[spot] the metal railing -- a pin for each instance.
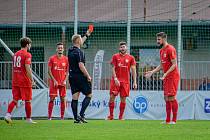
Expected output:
(194, 75)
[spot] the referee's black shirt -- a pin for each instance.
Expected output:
(75, 55)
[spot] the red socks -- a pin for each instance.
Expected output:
(50, 108)
(111, 109)
(174, 109)
(171, 106)
(28, 109)
(11, 106)
(122, 109)
(168, 111)
(62, 107)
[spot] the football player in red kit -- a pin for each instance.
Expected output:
(121, 63)
(58, 72)
(168, 63)
(22, 80)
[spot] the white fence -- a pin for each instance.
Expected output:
(194, 75)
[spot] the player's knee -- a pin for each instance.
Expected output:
(171, 98)
(28, 101)
(62, 99)
(89, 95)
(112, 98)
(52, 99)
(75, 96)
(123, 99)
(165, 98)
(16, 101)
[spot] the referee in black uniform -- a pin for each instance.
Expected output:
(79, 78)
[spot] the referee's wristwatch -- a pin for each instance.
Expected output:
(86, 35)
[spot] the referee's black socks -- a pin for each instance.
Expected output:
(74, 104)
(85, 104)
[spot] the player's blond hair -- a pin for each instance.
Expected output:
(74, 38)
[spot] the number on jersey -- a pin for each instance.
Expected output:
(17, 60)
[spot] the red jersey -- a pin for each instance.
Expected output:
(122, 65)
(59, 68)
(19, 75)
(167, 54)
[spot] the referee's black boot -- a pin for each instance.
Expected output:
(77, 121)
(82, 119)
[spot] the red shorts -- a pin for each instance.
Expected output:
(54, 90)
(22, 93)
(123, 89)
(170, 86)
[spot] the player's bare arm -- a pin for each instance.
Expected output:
(29, 73)
(52, 77)
(173, 66)
(84, 71)
(67, 75)
(116, 81)
(133, 69)
(148, 74)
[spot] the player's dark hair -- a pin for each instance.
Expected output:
(59, 43)
(162, 35)
(24, 41)
(122, 43)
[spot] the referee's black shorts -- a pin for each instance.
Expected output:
(79, 83)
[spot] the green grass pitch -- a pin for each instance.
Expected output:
(105, 130)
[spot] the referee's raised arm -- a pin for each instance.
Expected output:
(87, 34)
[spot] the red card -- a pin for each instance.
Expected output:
(90, 28)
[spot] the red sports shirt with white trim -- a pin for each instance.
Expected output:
(59, 68)
(122, 65)
(167, 54)
(19, 75)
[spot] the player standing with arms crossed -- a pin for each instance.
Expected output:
(168, 63)
(58, 72)
(120, 81)
(22, 80)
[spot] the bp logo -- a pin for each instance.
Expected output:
(140, 104)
